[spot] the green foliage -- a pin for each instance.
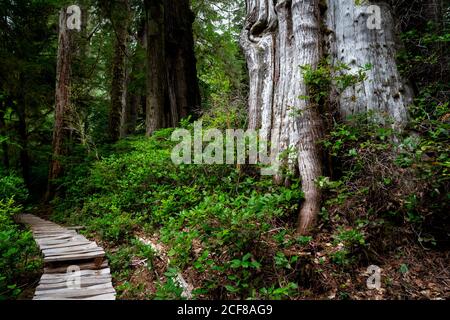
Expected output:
(220, 61)
(320, 79)
(170, 289)
(197, 210)
(282, 261)
(120, 261)
(350, 238)
(403, 268)
(115, 226)
(12, 186)
(279, 293)
(409, 173)
(304, 240)
(342, 257)
(17, 247)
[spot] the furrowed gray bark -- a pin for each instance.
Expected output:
(277, 39)
(282, 35)
(355, 41)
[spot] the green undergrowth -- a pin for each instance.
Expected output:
(232, 231)
(213, 218)
(387, 186)
(19, 256)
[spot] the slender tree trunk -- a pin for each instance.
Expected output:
(125, 107)
(3, 131)
(120, 20)
(277, 40)
(23, 136)
(129, 114)
(62, 101)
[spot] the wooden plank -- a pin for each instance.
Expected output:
(68, 247)
(63, 245)
(60, 241)
(76, 228)
(103, 297)
(86, 283)
(109, 296)
(82, 266)
(82, 273)
(75, 237)
(70, 250)
(51, 232)
(63, 254)
(75, 257)
(78, 293)
(57, 237)
(66, 244)
(74, 249)
(82, 279)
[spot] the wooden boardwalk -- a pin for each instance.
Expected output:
(75, 268)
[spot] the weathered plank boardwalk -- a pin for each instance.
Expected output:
(75, 268)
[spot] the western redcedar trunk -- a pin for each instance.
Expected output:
(156, 75)
(355, 42)
(281, 36)
(172, 87)
(278, 39)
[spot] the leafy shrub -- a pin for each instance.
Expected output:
(12, 186)
(16, 246)
(116, 226)
(197, 210)
(388, 179)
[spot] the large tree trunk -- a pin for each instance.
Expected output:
(172, 87)
(62, 101)
(183, 89)
(282, 35)
(156, 75)
(277, 40)
(120, 12)
(353, 43)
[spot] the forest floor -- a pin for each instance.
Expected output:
(410, 272)
(230, 233)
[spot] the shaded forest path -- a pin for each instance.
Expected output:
(75, 268)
